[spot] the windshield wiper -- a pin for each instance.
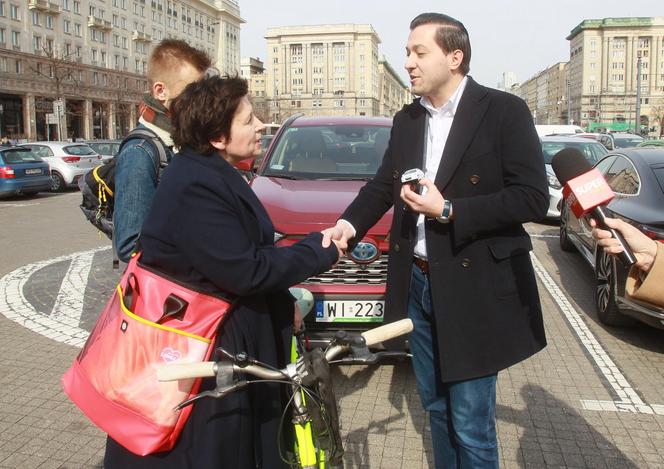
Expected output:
(282, 176)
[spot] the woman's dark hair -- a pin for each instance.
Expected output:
(204, 111)
(450, 36)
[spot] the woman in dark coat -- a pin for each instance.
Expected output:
(207, 228)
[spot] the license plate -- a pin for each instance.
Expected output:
(350, 311)
(33, 171)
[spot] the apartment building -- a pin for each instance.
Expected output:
(608, 58)
(253, 70)
(90, 58)
(546, 94)
(329, 70)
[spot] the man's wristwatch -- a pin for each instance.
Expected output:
(445, 215)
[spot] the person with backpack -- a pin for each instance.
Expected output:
(173, 64)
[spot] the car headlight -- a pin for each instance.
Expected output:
(553, 181)
(278, 236)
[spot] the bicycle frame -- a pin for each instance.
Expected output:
(306, 446)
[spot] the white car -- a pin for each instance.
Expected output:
(592, 150)
(68, 161)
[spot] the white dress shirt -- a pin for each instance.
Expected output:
(439, 123)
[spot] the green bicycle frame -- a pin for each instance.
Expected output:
(306, 451)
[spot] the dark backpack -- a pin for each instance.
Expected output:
(98, 186)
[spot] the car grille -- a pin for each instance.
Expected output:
(347, 272)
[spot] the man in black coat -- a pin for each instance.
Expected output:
(459, 255)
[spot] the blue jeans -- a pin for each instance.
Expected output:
(462, 414)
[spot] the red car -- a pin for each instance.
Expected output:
(313, 169)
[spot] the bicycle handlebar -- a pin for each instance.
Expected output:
(179, 371)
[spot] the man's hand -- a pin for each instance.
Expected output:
(644, 248)
(430, 203)
(340, 233)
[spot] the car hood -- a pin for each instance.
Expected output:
(300, 206)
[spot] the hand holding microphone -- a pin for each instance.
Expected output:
(588, 192)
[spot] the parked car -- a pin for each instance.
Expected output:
(592, 150)
(108, 149)
(68, 161)
(312, 170)
(636, 175)
(652, 143)
(22, 172)
(619, 140)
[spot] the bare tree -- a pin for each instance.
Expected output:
(657, 113)
(59, 67)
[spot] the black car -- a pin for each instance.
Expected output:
(636, 175)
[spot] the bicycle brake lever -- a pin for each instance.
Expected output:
(215, 393)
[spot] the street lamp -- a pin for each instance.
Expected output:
(2, 111)
(637, 123)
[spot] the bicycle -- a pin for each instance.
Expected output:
(315, 417)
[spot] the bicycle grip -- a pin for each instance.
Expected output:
(186, 371)
(388, 331)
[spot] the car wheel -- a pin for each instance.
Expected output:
(565, 244)
(57, 182)
(605, 293)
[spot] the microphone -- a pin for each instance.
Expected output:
(588, 192)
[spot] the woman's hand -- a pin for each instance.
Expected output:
(644, 248)
(297, 318)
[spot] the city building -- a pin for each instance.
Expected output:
(545, 93)
(76, 68)
(329, 70)
(252, 70)
(609, 58)
(507, 81)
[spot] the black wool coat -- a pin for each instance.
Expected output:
(487, 309)
(208, 229)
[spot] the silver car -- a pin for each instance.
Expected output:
(592, 150)
(68, 161)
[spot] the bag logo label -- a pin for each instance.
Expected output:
(123, 325)
(170, 355)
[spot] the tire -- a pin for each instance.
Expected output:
(605, 292)
(565, 244)
(57, 182)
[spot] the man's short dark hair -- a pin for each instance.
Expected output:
(204, 111)
(450, 36)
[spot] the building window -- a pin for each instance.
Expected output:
(77, 7)
(16, 39)
(66, 24)
(94, 56)
(36, 44)
(2, 8)
(13, 11)
(65, 5)
(19, 66)
(77, 29)
(35, 18)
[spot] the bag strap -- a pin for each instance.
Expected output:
(150, 136)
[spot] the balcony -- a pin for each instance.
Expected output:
(99, 23)
(47, 6)
(141, 36)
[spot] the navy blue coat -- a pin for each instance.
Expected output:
(484, 293)
(207, 228)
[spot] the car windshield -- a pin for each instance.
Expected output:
(78, 150)
(329, 152)
(20, 156)
(627, 142)
(593, 151)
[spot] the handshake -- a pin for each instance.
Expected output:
(339, 234)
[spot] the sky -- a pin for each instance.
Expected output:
(521, 36)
